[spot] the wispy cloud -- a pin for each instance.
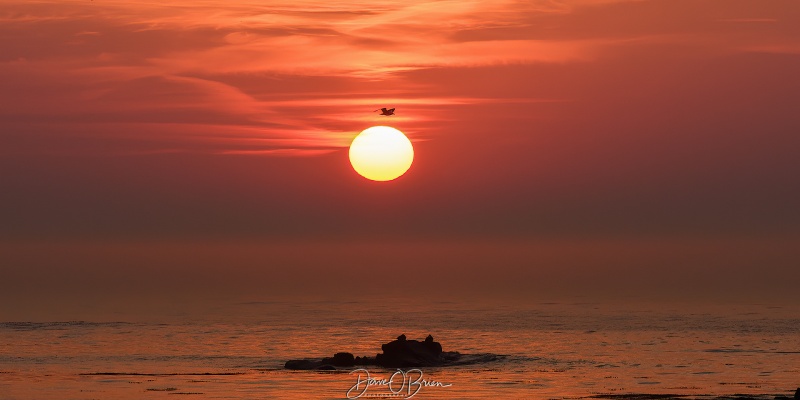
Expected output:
(304, 68)
(279, 152)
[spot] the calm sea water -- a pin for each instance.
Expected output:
(554, 351)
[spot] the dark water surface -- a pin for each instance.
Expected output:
(554, 351)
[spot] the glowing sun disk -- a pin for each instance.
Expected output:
(381, 153)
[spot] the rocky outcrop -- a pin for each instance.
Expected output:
(796, 396)
(399, 353)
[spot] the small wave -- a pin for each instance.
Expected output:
(161, 374)
(750, 351)
(58, 325)
(639, 396)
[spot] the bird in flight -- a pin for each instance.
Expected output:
(386, 111)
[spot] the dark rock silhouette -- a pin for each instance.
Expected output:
(344, 359)
(399, 353)
(433, 346)
(796, 396)
(410, 353)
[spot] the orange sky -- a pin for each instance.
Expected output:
(534, 122)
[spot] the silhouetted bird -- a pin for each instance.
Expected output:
(386, 111)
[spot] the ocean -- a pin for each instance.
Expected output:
(553, 350)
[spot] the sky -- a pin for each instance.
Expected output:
(582, 148)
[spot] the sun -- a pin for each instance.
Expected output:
(381, 153)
